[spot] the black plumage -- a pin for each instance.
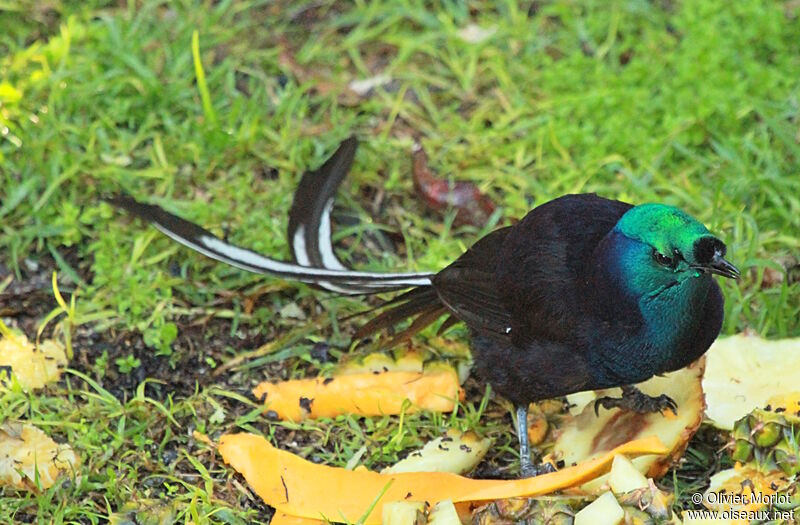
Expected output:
(583, 293)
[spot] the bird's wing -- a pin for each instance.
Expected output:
(541, 265)
(468, 288)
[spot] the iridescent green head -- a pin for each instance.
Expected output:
(676, 244)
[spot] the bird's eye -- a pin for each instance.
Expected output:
(662, 259)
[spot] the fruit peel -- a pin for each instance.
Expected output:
(297, 487)
(365, 394)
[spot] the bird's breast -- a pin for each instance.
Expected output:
(669, 325)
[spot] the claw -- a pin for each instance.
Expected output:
(636, 401)
(531, 471)
(598, 403)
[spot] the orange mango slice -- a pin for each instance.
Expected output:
(297, 487)
(365, 394)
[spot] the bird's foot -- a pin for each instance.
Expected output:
(529, 470)
(637, 401)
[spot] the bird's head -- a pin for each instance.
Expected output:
(664, 247)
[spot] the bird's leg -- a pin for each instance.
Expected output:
(637, 401)
(526, 467)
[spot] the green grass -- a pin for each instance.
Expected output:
(693, 104)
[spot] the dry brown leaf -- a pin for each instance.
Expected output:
(473, 207)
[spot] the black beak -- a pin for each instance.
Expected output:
(720, 266)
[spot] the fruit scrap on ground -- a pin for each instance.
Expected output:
(769, 437)
(457, 452)
(297, 487)
(29, 459)
(366, 394)
(751, 484)
(766, 445)
(588, 436)
(632, 498)
(744, 371)
(439, 352)
(31, 365)
(28, 456)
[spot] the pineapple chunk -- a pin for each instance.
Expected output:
(603, 511)
(770, 435)
(745, 481)
(457, 452)
(587, 436)
(579, 400)
(743, 372)
(625, 477)
(403, 513)
(444, 513)
(656, 503)
(552, 510)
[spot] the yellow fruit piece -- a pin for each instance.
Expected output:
(403, 513)
(587, 436)
(377, 362)
(624, 476)
(537, 424)
(745, 481)
(444, 513)
(24, 450)
(787, 404)
(603, 511)
(457, 452)
(579, 400)
(32, 367)
(658, 504)
(362, 394)
(301, 488)
(744, 371)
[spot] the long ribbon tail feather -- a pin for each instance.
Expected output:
(199, 239)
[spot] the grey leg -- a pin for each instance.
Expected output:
(526, 467)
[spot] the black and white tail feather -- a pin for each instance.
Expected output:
(315, 262)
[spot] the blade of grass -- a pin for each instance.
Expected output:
(202, 86)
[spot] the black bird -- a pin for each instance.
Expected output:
(583, 293)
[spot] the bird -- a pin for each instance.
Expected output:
(583, 293)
